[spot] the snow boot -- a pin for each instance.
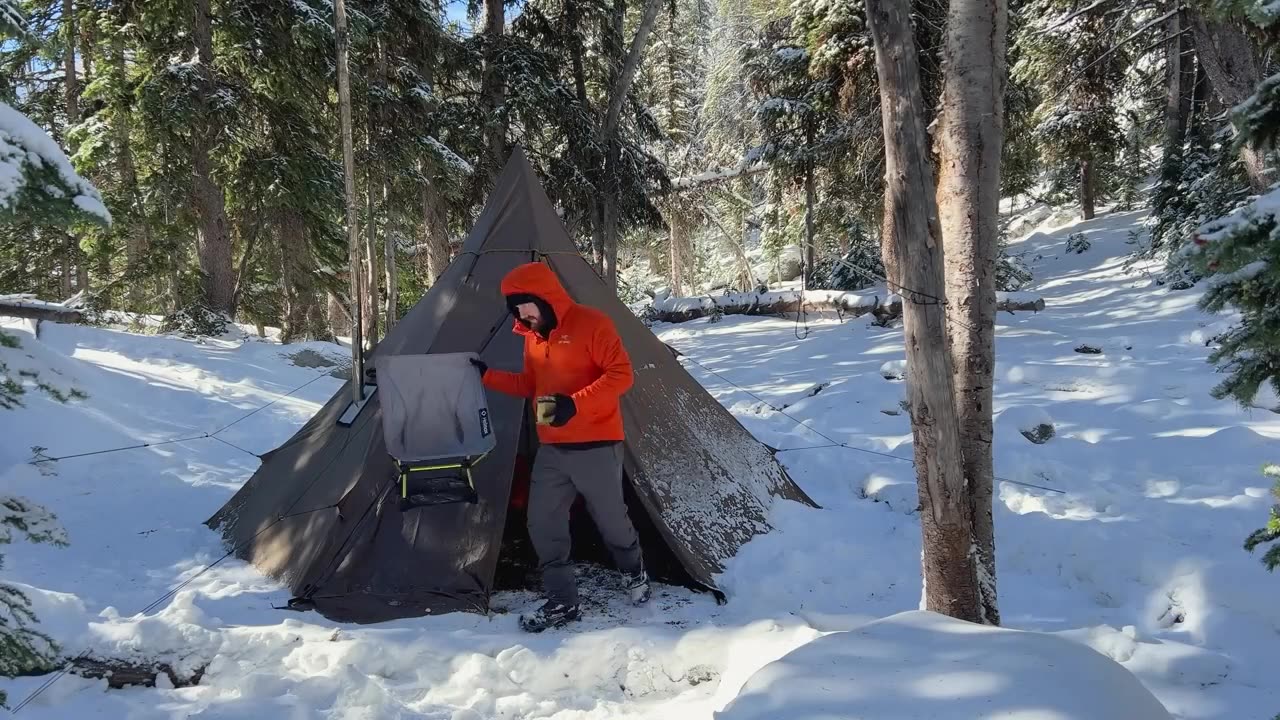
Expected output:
(638, 586)
(549, 615)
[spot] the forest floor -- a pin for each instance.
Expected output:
(1138, 557)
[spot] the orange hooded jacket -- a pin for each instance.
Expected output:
(582, 357)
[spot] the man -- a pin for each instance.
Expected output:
(572, 353)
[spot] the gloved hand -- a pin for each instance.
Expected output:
(565, 410)
(480, 365)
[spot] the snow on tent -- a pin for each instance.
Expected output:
(325, 514)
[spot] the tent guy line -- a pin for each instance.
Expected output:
(833, 442)
(202, 436)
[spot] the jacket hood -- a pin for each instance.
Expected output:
(539, 280)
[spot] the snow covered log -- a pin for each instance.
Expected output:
(784, 302)
(126, 673)
(28, 308)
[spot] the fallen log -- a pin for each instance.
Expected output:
(884, 306)
(125, 673)
(32, 309)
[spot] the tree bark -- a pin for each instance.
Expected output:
(349, 191)
(1087, 198)
(297, 268)
(70, 84)
(137, 237)
(970, 140)
(218, 279)
(676, 261)
(389, 267)
(75, 260)
(1232, 62)
(950, 568)
(606, 237)
(435, 231)
(1179, 76)
(369, 282)
(493, 88)
(810, 198)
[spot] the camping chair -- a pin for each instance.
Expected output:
(435, 419)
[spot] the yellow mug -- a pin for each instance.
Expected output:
(545, 410)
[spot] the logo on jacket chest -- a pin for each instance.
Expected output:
(564, 340)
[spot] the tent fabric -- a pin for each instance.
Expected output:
(320, 513)
(433, 407)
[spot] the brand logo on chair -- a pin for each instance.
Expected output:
(484, 423)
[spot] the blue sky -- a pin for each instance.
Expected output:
(456, 11)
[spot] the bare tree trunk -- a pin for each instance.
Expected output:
(951, 573)
(606, 136)
(1231, 61)
(339, 315)
(369, 298)
(349, 191)
(296, 270)
(137, 238)
(71, 96)
(970, 137)
(218, 278)
(493, 87)
(1087, 198)
(677, 258)
(1179, 76)
(810, 198)
(435, 231)
(392, 272)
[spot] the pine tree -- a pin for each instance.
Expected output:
(1271, 532)
(23, 648)
(1077, 60)
(1239, 253)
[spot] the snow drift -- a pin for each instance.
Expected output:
(925, 665)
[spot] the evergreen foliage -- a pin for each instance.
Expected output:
(23, 649)
(1271, 532)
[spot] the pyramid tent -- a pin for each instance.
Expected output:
(321, 513)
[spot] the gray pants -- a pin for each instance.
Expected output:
(558, 475)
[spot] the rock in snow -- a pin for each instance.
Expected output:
(917, 665)
(1030, 421)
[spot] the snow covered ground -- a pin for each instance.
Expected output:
(1139, 556)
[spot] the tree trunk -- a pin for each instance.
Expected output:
(70, 83)
(606, 136)
(435, 231)
(1179, 77)
(1232, 62)
(349, 192)
(810, 195)
(609, 258)
(68, 265)
(676, 261)
(71, 99)
(339, 315)
(136, 238)
(951, 571)
(970, 138)
(297, 268)
(218, 278)
(392, 272)
(1087, 198)
(369, 282)
(493, 88)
